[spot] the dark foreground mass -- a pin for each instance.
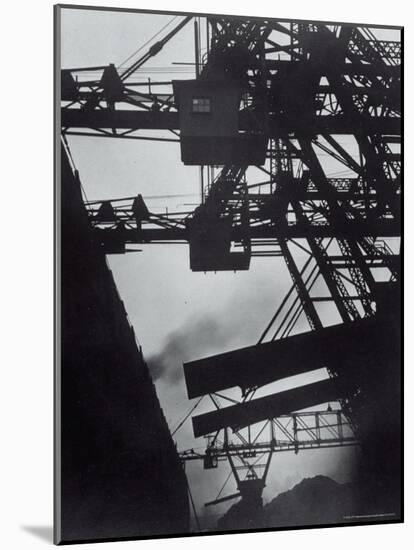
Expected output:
(120, 471)
(314, 501)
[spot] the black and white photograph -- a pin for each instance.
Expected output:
(228, 227)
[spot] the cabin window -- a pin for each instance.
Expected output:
(201, 105)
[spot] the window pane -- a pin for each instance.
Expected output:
(201, 105)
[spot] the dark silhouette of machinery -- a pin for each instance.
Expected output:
(280, 98)
(251, 456)
(209, 111)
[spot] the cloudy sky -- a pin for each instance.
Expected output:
(179, 315)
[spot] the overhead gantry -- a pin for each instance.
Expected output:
(273, 107)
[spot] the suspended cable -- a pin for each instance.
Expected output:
(193, 507)
(223, 486)
(154, 49)
(187, 415)
(122, 136)
(147, 42)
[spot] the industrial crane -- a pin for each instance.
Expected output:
(250, 454)
(273, 106)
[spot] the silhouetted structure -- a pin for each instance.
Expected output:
(121, 475)
(278, 93)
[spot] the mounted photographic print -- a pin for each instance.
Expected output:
(228, 275)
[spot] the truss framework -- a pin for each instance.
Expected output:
(345, 224)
